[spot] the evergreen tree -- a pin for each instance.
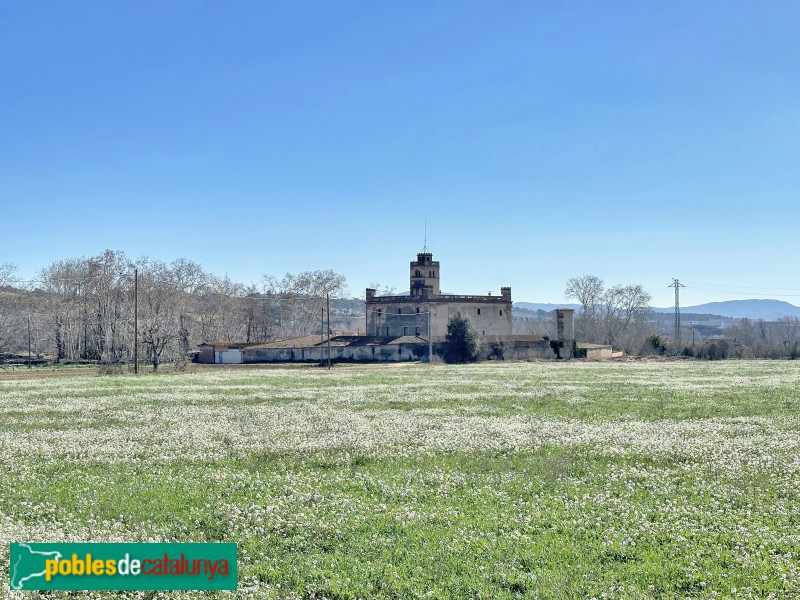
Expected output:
(463, 341)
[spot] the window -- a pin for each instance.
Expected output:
(418, 310)
(479, 311)
(501, 312)
(387, 332)
(379, 312)
(405, 330)
(399, 311)
(416, 331)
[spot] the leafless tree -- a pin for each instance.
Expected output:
(83, 308)
(297, 300)
(621, 306)
(382, 290)
(609, 315)
(589, 291)
(7, 271)
(789, 334)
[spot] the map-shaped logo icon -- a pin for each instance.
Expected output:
(27, 563)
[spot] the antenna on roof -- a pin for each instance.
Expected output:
(425, 243)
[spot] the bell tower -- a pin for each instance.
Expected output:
(424, 276)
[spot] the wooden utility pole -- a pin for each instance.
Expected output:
(136, 320)
(328, 301)
(29, 342)
(321, 325)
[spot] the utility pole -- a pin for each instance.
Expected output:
(29, 342)
(136, 320)
(328, 301)
(321, 325)
(677, 285)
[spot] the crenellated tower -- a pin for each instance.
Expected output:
(425, 276)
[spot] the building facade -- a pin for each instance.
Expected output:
(426, 310)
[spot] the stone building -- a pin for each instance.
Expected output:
(398, 329)
(426, 306)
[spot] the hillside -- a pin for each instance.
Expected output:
(769, 310)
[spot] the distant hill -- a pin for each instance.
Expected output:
(769, 310)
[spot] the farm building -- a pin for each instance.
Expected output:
(362, 348)
(406, 328)
(427, 311)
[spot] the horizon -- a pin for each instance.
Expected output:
(539, 142)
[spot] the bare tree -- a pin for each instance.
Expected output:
(382, 290)
(7, 271)
(622, 305)
(789, 333)
(158, 306)
(83, 308)
(609, 315)
(297, 300)
(589, 291)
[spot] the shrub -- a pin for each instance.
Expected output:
(657, 344)
(463, 341)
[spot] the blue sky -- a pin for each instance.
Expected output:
(637, 141)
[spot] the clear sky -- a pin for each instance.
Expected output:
(636, 141)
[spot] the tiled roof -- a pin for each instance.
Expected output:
(230, 344)
(311, 341)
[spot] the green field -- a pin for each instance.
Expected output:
(498, 480)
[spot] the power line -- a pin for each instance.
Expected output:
(740, 293)
(748, 287)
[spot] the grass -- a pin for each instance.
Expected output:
(498, 480)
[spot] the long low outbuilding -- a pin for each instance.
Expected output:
(361, 348)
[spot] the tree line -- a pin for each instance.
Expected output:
(616, 315)
(83, 308)
(621, 316)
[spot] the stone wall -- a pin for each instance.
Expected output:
(400, 315)
(371, 353)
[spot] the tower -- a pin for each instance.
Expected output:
(424, 276)
(565, 324)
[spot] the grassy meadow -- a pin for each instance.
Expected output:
(498, 480)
